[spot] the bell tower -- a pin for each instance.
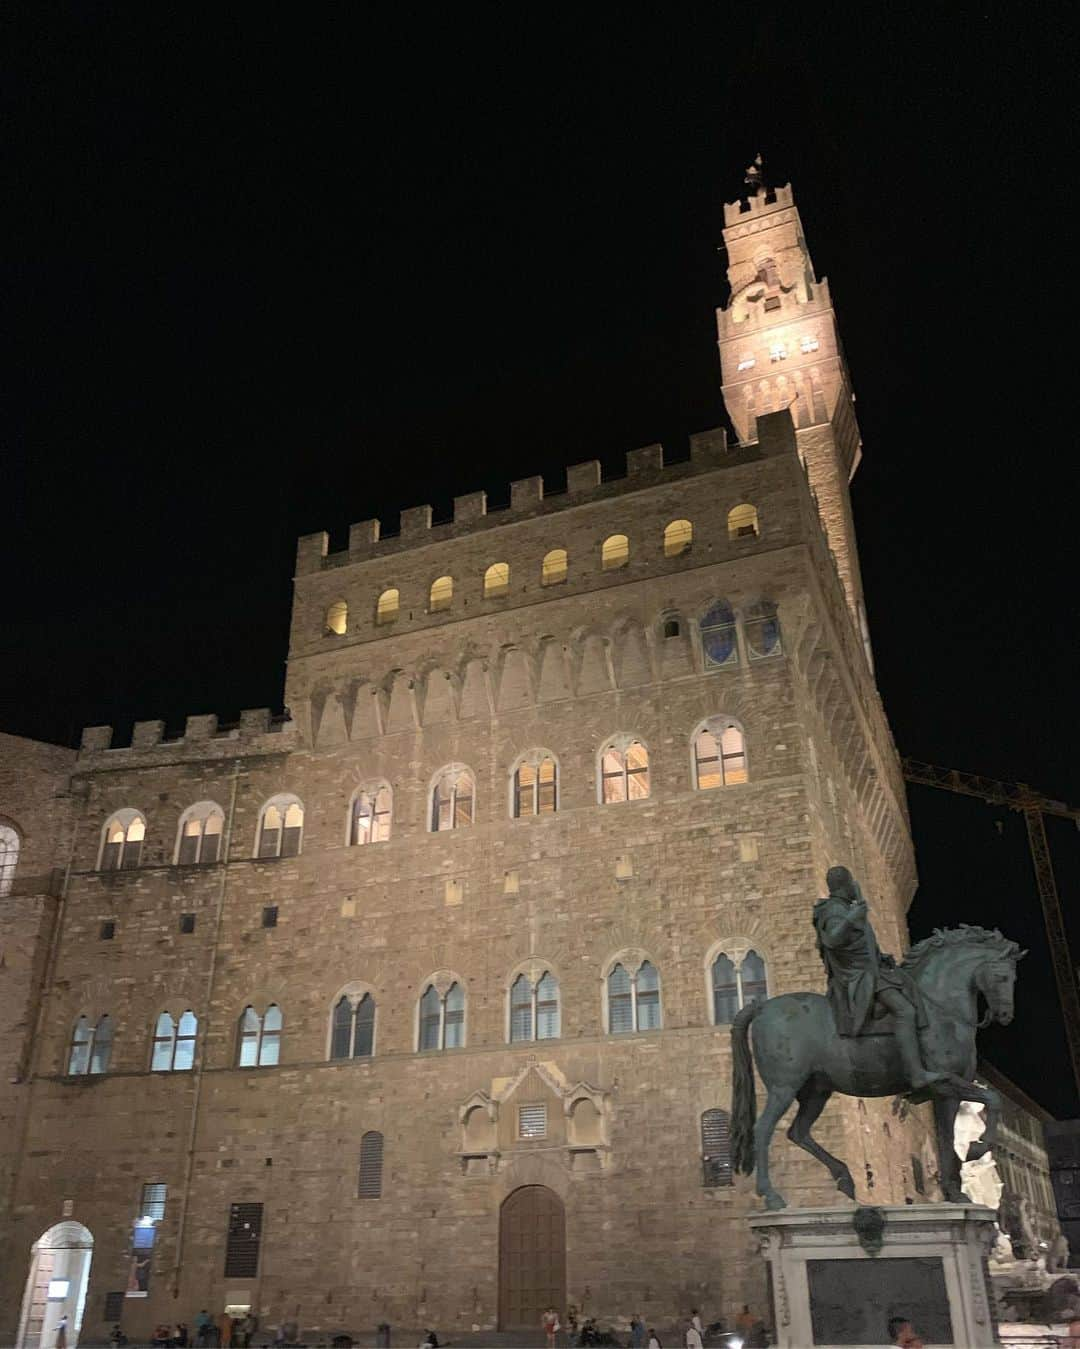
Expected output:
(780, 348)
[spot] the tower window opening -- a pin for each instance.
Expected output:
(496, 580)
(670, 627)
(778, 350)
(553, 569)
(441, 595)
(386, 611)
(678, 536)
(742, 522)
(615, 552)
(337, 618)
(747, 363)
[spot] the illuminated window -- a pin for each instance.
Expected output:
(91, 1047)
(808, 343)
(678, 536)
(719, 754)
(174, 1043)
(281, 827)
(371, 813)
(718, 636)
(441, 595)
(121, 848)
(260, 1038)
(386, 611)
(624, 771)
(534, 1008)
(615, 552)
(762, 627)
(496, 580)
(736, 986)
(442, 1018)
(553, 569)
(371, 1159)
(452, 799)
(535, 785)
(9, 857)
(778, 351)
(199, 835)
(633, 999)
(337, 618)
(747, 363)
(716, 1148)
(742, 522)
(352, 1027)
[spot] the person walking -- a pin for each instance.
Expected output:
(550, 1324)
(693, 1333)
(637, 1332)
(202, 1327)
(61, 1332)
(654, 1340)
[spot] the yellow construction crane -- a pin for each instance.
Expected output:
(1033, 806)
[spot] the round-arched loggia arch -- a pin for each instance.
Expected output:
(56, 1286)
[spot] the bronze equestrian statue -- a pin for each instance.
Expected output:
(883, 1029)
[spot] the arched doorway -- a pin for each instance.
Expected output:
(56, 1286)
(532, 1257)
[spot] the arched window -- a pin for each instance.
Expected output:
(121, 848)
(670, 626)
(453, 799)
(174, 1043)
(386, 610)
(737, 985)
(372, 809)
(534, 1008)
(615, 552)
(337, 619)
(716, 1148)
(199, 835)
(633, 999)
(442, 1018)
(535, 785)
(260, 1038)
(441, 595)
(624, 771)
(371, 1155)
(352, 1027)
(91, 1047)
(554, 568)
(762, 628)
(718, 636)
(678, 536)
(742, 521)
(9, 857)
(496, 580)
(281, 827)
(719, 754)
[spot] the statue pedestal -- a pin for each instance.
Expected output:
(829, 1288)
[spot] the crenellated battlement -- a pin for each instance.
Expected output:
(761, 203)
(529, 498)
(203, 735)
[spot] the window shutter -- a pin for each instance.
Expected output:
(153, 1200)
(532, 1121)
(245, 1235)
(189, 849)
(371, 1151)
(716, 1147)
(114, 1306)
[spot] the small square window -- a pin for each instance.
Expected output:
(270, 916)
(772, 302)
(747, 363)
(187, 922)
(532, 1121)
(108, 930)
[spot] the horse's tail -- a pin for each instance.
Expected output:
(743, 1096)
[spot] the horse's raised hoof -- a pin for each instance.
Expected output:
(774, 1202)
(846, 1185)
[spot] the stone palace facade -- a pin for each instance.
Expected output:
(412, 1007)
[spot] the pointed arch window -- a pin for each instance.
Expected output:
(91, 1046)
(633, 999)
(453, 798)
(9, 857)
(719, 754)
(555, 567)
(615, 552)
(737, 985)
(388, 606)
(496, 580)
(678, 536)
(337, 619)
(372, 810)
(762, 627)
(624, 771)
(371, 1164)
(260, 1038)
(174, 1043)
(441, 595)
(535, 785)
(718, 636)
(281, 827)
(716, 1148)
(199, 836)
(121, 848)
(352, 1028)
(442, 1018)
(534, 1008)
(742, 521)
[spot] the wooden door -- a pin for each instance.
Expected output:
(39, 1293)
(532, 1257)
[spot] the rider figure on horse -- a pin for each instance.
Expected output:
(864, 982)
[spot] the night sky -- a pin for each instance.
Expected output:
(263, 277)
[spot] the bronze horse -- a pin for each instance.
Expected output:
(801, 1057)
